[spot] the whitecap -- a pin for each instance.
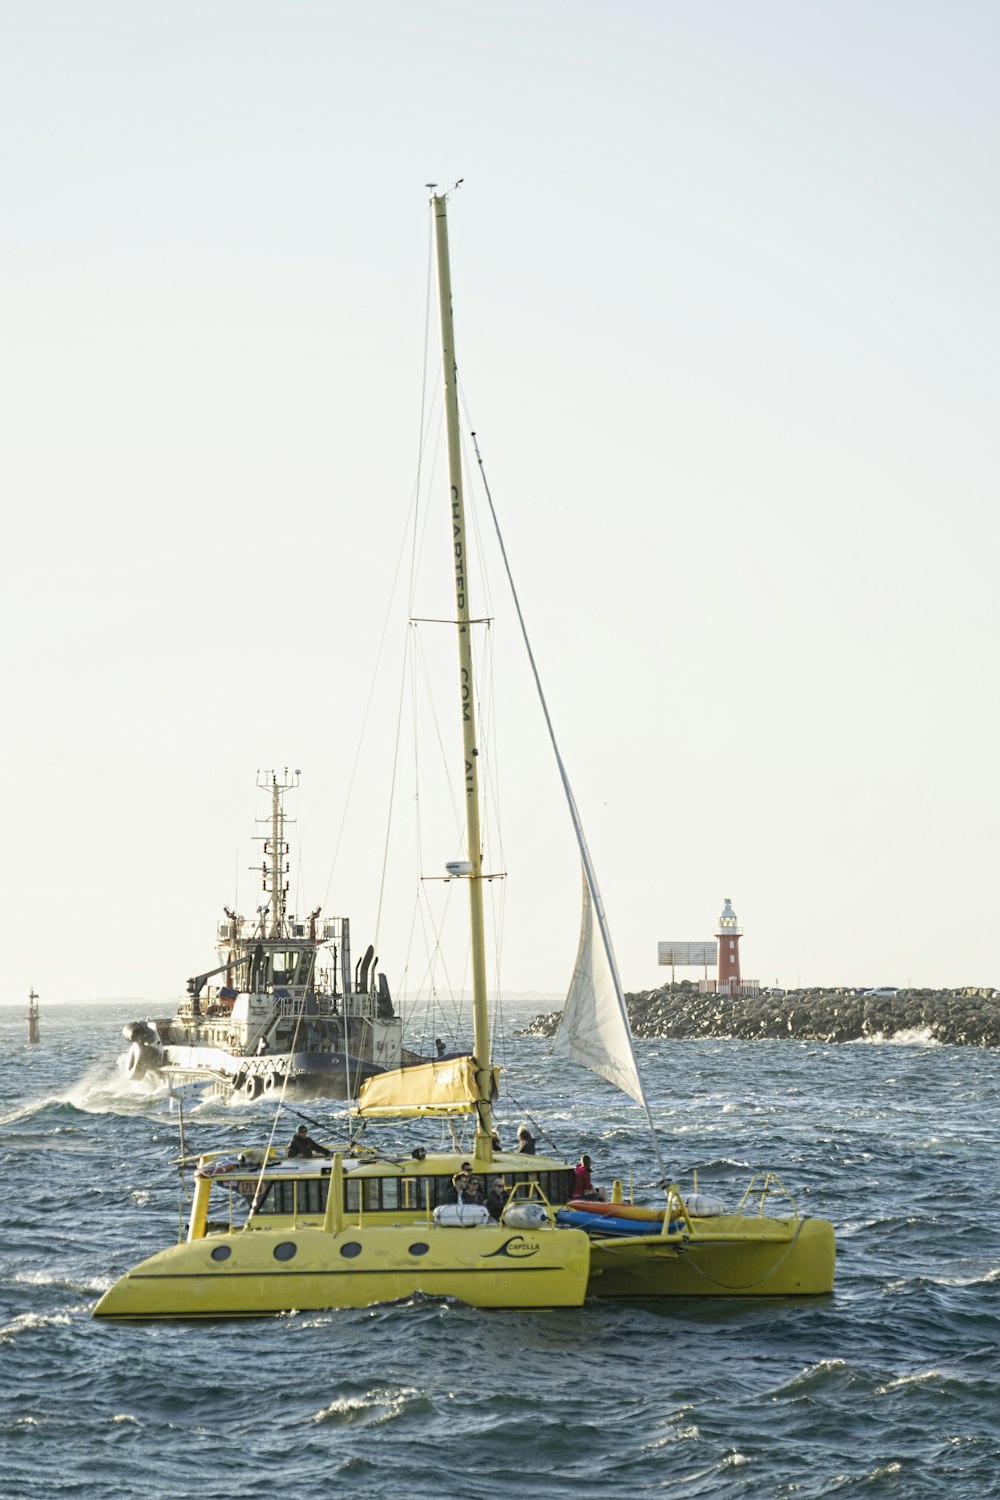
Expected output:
(909, 1036)
(918, 1377)
(374, 1406)
(31, 1323)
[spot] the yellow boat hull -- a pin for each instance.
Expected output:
(261, 1272)
(728, 1256)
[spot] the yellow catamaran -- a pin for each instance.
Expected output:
(364, 1229)
(368, 1227)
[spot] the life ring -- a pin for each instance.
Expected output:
(251, 1086)
(136, 1063)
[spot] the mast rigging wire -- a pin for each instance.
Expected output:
(588, 867)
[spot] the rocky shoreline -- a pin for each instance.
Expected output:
(964, 1017)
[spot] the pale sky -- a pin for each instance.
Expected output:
(726, 316)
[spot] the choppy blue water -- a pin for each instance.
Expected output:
(889, 1388)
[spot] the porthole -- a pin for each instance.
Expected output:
(221, 1252)
(285, 1251)
(350, 1250)
(419, 1248)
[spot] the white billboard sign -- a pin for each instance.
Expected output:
(687, 955)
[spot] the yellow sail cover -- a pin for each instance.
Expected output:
(443, 1087)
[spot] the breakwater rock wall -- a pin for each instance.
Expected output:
(969, 1017)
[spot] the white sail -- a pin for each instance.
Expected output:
(594, 1029)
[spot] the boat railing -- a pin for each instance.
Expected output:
(676, 1219)
(294, 1005)
(764, 1185)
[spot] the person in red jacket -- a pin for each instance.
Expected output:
(583, 1187)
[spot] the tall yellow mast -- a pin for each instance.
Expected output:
(481, 1029)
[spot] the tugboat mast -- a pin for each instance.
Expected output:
(276, 864)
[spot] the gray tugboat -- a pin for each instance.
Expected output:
(284, 1010)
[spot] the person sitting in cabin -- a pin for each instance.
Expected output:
(302, 1144)
(459, 1190)
(583, 1187)
(474, 1191)
(495, 1140)
(496, 1198)
(525, 1141)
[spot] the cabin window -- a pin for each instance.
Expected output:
(311, 1195)
(387, 1194)
(390, 1192)
(374, 1193)
(221, 1252)
(285, 1251)
(557, 1186)
(280, 1199)
(305, 1196)
(283, 967)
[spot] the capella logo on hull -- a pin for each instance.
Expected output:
(517, 1248)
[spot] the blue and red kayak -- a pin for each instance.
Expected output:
(607, 1223)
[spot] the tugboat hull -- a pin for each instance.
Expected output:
(299, 1075)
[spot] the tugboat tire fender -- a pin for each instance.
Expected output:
(251, 1085)
(136, 1063)
(272, 1082)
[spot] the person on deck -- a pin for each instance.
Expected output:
(525, 1141)
(496, 1198)
(302, 1144)
(474, 1191)
(459, 1190)
(583, 1187)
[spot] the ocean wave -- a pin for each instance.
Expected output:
(32, 1323)
(373, 1407)
(912, 1036)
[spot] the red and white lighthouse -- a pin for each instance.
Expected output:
(728, 932)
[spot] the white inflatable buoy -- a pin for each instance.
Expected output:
(701, 1206)
(461, 1215)
(525, 1216)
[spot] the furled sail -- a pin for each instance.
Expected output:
(594, 1029)
(446, 1086)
